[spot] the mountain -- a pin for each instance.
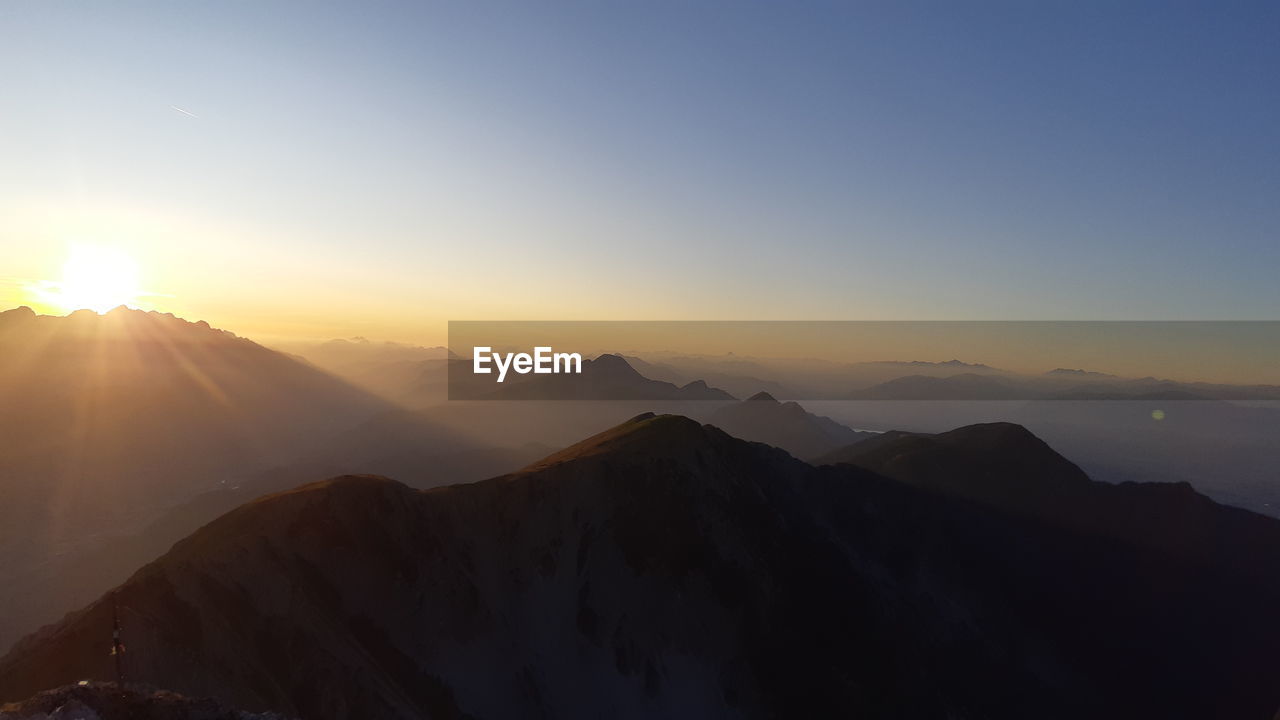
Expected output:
(991, 463)
(732, 383)
(607, 377)
(105, 701)
(761, 418)
(741, 376)
(965, 386)
(112, 421)
(795, 378)
(107, 412)
(664, 568)
(1058, 384)
(409, 375)
(360, 355)
(1077, 374)
(946, 366)
(988, 462)
(969, 386)
(409, 448)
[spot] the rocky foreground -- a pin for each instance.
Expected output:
(106, 701)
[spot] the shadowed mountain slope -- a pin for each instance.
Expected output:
(1005, 466)
(664, 568)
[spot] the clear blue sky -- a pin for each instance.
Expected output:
(600, 159)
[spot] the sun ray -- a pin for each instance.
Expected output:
(95, 278)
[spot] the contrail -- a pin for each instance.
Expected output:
(185, 112)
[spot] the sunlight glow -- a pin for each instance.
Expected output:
(95, 278)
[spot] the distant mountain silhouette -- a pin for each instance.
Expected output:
(950, 365)
(814, 379)
(761, 418)
(664, 568)
(1075, 373)
(607, 377)
(1173, 395)
(408, 375)
(1054, 385)
(737, 384)
(966, 386)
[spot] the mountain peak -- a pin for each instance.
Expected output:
(20, 311)
(16, 316)
(611, 359)
(121, 323)
(1003, 463)
(1077, 372)
(647, 434)
(960, 363)
(1002, 436)
(339, 483)
(606, 377)
(610, 365)
(645, 425)
(761, 418)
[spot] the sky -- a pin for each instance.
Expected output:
(291, 170)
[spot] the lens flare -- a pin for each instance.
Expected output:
(95, 278)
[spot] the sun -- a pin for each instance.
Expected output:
(95, 278)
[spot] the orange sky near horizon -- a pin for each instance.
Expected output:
(274, 290)
(276, 299)
(102, 276)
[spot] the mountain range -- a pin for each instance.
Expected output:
(418, 377)
(1055, 385)
(147, 406)
(664, 568)
(116, 422)
(606, 377)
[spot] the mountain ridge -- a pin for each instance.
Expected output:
(665, 567)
